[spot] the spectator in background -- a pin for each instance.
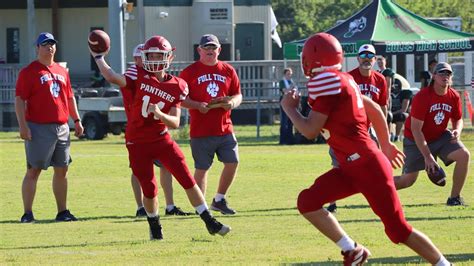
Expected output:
(400, 101)
(44, 102)
(286, 126)
(425, 76)
(214, 90)
(427, 136)
(166, 179)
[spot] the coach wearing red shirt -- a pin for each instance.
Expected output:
(44, 101)
(214, 90)
(427, 136)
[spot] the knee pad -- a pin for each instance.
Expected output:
(307, 203)
(149, 188)
(398, 230)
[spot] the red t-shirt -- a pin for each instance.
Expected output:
(373, 86)
(435, 111)
(206, 83)
(336, 95)
(46, 90)
(142, 127)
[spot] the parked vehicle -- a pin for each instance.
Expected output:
(101, 111)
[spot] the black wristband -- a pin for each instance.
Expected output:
(99, 56)
(77, 120)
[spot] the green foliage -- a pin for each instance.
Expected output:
(267, 230)
(300, 18)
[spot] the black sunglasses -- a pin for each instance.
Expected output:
(367, 55)
(445, 73)
(48, 43)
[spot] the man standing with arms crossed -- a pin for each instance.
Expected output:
(44, 101)
(211, 127)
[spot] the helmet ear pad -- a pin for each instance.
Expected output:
(321, 51)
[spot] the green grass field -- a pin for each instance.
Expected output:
(267, 229)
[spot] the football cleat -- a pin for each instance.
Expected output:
(141, 212)
(357, 256)
(155, 228)
(213, 226)
(332, 208)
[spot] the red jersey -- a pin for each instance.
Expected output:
(373, 86)
(205, 83)
(46, 90)
(143, 127)
(435, 111)
(128, 90)
(336, 95)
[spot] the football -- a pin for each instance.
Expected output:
(99, 41)
(438, 177)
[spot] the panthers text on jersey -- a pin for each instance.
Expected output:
(47, 90)
(373, 86)
(142, 126)
(336, 95)
(435, 111)
(206, 83)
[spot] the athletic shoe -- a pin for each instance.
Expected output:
(332, 208)
(176, 211)
(155, 228)
(141, 212)
(221, 206)
(357, 256)
(27, 218)
(213, 226)
(456, 201)
(65, 216)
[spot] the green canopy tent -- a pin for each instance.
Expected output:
(392, 29)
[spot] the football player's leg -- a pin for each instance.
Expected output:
(329, 187)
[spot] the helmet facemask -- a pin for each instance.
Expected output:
(155, 66)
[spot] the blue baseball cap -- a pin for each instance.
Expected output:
(45, 37)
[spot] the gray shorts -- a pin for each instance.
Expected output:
(49, 146)
(441, 148)
(203, 150)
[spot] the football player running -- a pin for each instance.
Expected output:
(155, 107)
(340, 112)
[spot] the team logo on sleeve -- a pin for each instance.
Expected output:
(212, 89)
(54, 88)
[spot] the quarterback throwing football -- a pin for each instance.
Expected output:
(155, 107)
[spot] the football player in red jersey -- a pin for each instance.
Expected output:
(166, 180)
(339, 112)
(427, 136)
(155, 106)
(371, 84)
(213, 82)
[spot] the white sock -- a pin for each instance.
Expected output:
(152, 214)
(219, 197)
(139, 207)
(346, 243)
(443, 261)
(201, 208)
(170, 207)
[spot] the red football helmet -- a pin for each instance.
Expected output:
(321, 51)
(157, 44)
